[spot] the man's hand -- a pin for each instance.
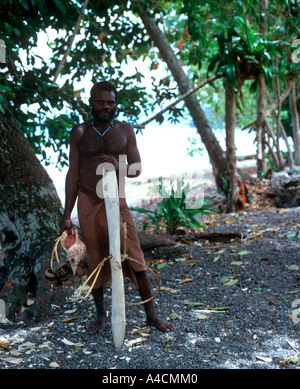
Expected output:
(66, 225)
(110, 159)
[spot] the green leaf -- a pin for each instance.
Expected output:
(221, 41)
(213, 62)
(24, 4)
(267, 73)
(161, 265)
(244, 252)
(230, 74)
(296, 311)
(191, 27)
(293, 267)
(193, 303)
(254, 85)
(292, 235)
(219, 308)
(228, 280)
(231, 282)
(251, 59)
(174, 316)
(225, 279)
(5, 87)
(60, 6)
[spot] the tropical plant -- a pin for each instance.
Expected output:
(244, 54)
(174, 209)
(153, 220)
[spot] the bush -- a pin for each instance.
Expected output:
(172, 210)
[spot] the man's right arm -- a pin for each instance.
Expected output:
(72, 178)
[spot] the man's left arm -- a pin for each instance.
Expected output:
(134, 166)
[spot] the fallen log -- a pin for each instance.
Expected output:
(152, 241)
(217, 236)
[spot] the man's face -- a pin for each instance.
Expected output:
(103, 106)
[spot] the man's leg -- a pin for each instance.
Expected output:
(145, 293)
(101, 319)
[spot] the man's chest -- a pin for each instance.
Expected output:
(114, 142)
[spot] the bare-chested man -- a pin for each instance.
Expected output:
(104, 139)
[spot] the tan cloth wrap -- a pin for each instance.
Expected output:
(93, 225)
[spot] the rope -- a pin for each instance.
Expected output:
(157, 279)
(97, 270)
(54, 251)
(124, 256)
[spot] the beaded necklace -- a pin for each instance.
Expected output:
(110, 126)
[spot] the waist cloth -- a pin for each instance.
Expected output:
(94, 229)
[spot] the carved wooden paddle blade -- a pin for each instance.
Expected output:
(111, 199)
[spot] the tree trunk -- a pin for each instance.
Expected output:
(260, 124)
(276, 154)
(230, 146)
(289, 151)
(262, 96)
(30, 216)
(215, 152)
(295, 121)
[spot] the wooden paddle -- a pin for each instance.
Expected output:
(111, 198)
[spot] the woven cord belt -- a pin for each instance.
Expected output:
(124, 256)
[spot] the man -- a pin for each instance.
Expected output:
(103, 140)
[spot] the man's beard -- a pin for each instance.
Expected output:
(96, 116)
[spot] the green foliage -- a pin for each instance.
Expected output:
(172, 211)
(47, 112)
(194, 147)
(243, 53)
(26, 86)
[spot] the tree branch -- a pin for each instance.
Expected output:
(76, 28)
(283, 96)
(183, 97)
(274, 104)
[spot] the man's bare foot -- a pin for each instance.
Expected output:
(160, 324)
(98, 325)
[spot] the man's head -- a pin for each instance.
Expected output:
(103, 101)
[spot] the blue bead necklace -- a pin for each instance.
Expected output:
(110, 126)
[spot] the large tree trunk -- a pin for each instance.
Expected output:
(30, 216)
(215, 152)
(230, 146)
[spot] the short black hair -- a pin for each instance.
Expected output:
(106, 86)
